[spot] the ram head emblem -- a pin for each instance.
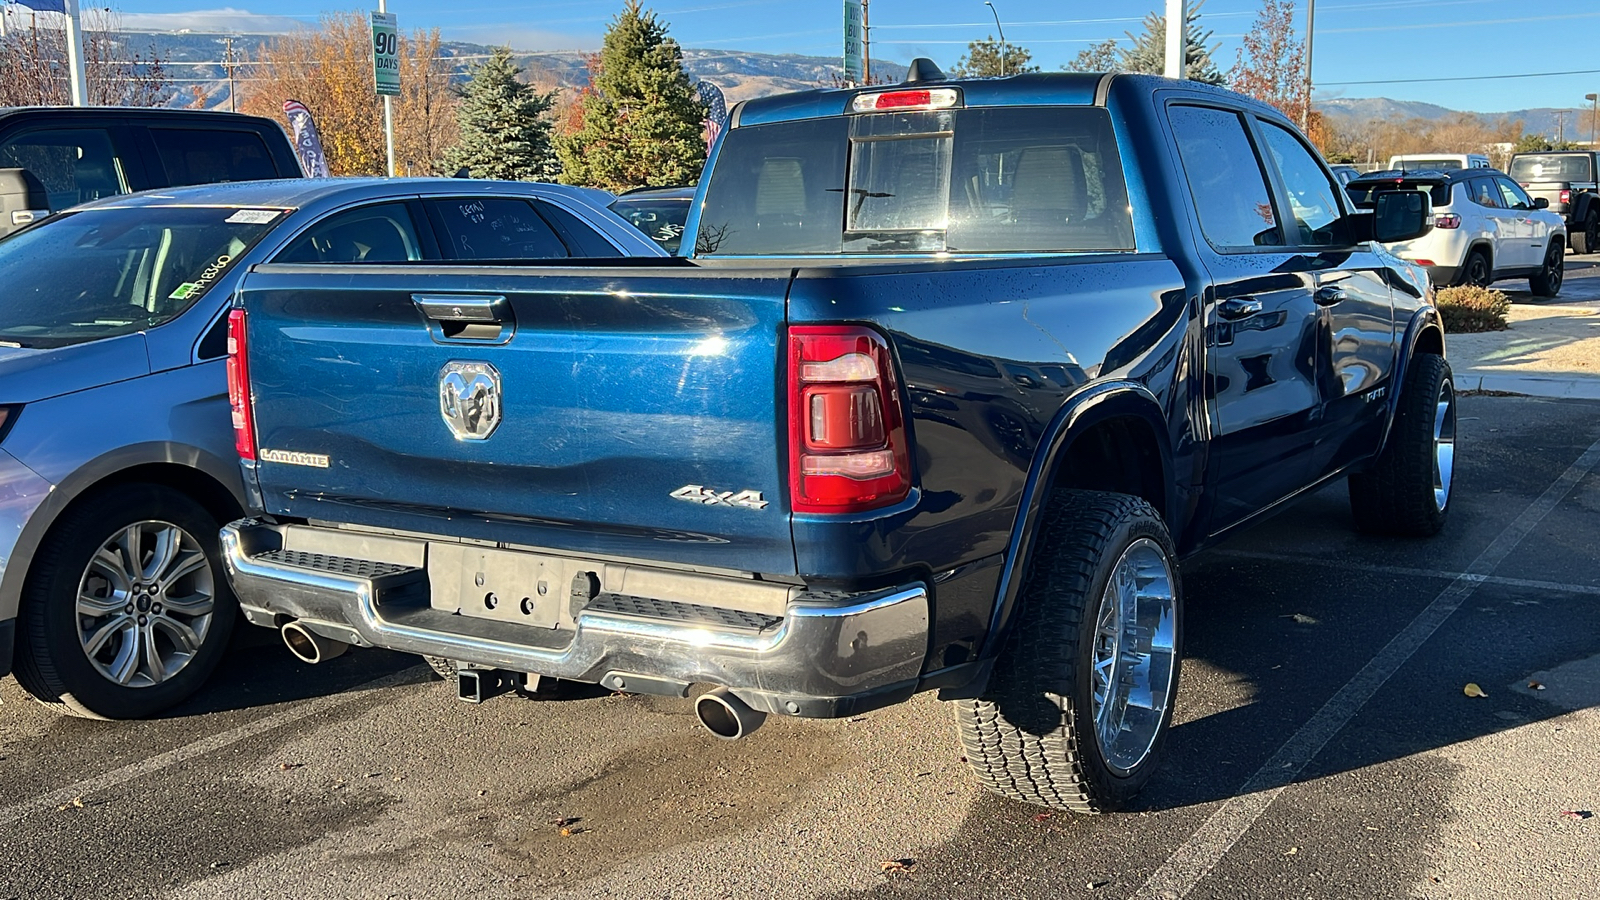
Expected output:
(469, 399)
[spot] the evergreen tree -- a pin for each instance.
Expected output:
(1149, 51)
(642, 121)
(1102, 57)
(504, 130)
(990, 58)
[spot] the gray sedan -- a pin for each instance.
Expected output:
(117, 460)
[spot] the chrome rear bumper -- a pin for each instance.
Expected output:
(826, 656)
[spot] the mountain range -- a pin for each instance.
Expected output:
(194, 59)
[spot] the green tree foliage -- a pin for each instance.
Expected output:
(1102, 57)
(989, 58)
(1541, 143)
(1148, 54)
(505, 132)
(642, 124)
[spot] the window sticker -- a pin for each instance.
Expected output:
(184, 291)
(253, 216)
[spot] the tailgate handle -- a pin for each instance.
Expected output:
(467, 318)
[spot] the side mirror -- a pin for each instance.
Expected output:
(1541, 203)
(1401, 216)
(22, 199)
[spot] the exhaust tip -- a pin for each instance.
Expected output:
(726, 716)
(310, 647)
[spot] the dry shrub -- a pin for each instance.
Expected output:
(1469, 308)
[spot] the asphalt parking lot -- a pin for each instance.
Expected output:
(1325, 747)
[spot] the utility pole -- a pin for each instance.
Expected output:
(1311, 30)
(997, 27)
(1177, 24)
(1593, 114)
(866, 45)
(80, 88)
(227, 63)
(1561, 125)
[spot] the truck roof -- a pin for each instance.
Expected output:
(1030, 89)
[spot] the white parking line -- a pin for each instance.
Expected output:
(1196, 857)
(199, 748)
(1352, 565)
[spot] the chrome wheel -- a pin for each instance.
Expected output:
(1444, 443)
(1135, 655)
(145, 604)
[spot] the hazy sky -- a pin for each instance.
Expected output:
(1394, 41)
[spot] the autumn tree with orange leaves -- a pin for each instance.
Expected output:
(1271, 63)
(329, 69)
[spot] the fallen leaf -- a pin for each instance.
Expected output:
(483, 793)
(1041, 817)
(897, 865)
(1534, 685)
(570, 830)
(1472, 690)
(284, 767)
(564, 821)
(74, 803)
(1579, 814)
(1097, 885)
(1300, 618)
(1291, 851)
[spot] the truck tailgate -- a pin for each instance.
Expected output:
(626, 412)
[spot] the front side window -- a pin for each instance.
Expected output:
(210, 156)
(482, 228)
(1513, 195)
(1225, 178)
(382, 233)
(1012, 180)
(76, 165)
(106, 272)
(1312, 196)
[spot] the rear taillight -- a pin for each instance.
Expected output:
(1566, 196)
(244, 427)
(1447, 220)
(847, 434)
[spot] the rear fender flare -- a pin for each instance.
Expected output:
(1580, 209)
(1081, 412)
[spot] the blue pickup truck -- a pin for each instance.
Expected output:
(955, 375)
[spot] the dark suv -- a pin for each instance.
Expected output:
(1566, 179)
(52, 158)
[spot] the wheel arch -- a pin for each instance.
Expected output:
(189, 470)
(1121, 422)
(1424, 335)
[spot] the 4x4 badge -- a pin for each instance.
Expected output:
(696, 493)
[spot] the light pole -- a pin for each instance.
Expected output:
(1311, 28)
(1002, 36)
(1593, 114)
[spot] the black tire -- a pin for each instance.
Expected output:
(1587, 238)
(1547, 282)
(1399, 493)
(1032, 736)
(1477, 269)
(52, 663)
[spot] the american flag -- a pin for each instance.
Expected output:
(716, 110)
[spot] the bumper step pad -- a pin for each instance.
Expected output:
(336, 565)
(683, 613)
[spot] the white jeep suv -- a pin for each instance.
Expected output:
(1485, 228)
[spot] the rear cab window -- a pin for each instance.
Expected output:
(1001, 180)
(209, 156)
(1567, 167)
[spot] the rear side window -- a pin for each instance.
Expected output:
(382, 233)
(1039, 179)
(210, 156)
(578, 234)
(1484, 192)
(75, 165)
(480, 228)
(1225, 178)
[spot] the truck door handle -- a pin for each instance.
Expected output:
(467, 318)
(1236, 308)
(1330, 295)
(460, 307)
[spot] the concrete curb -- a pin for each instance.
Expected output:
(1555, 387)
